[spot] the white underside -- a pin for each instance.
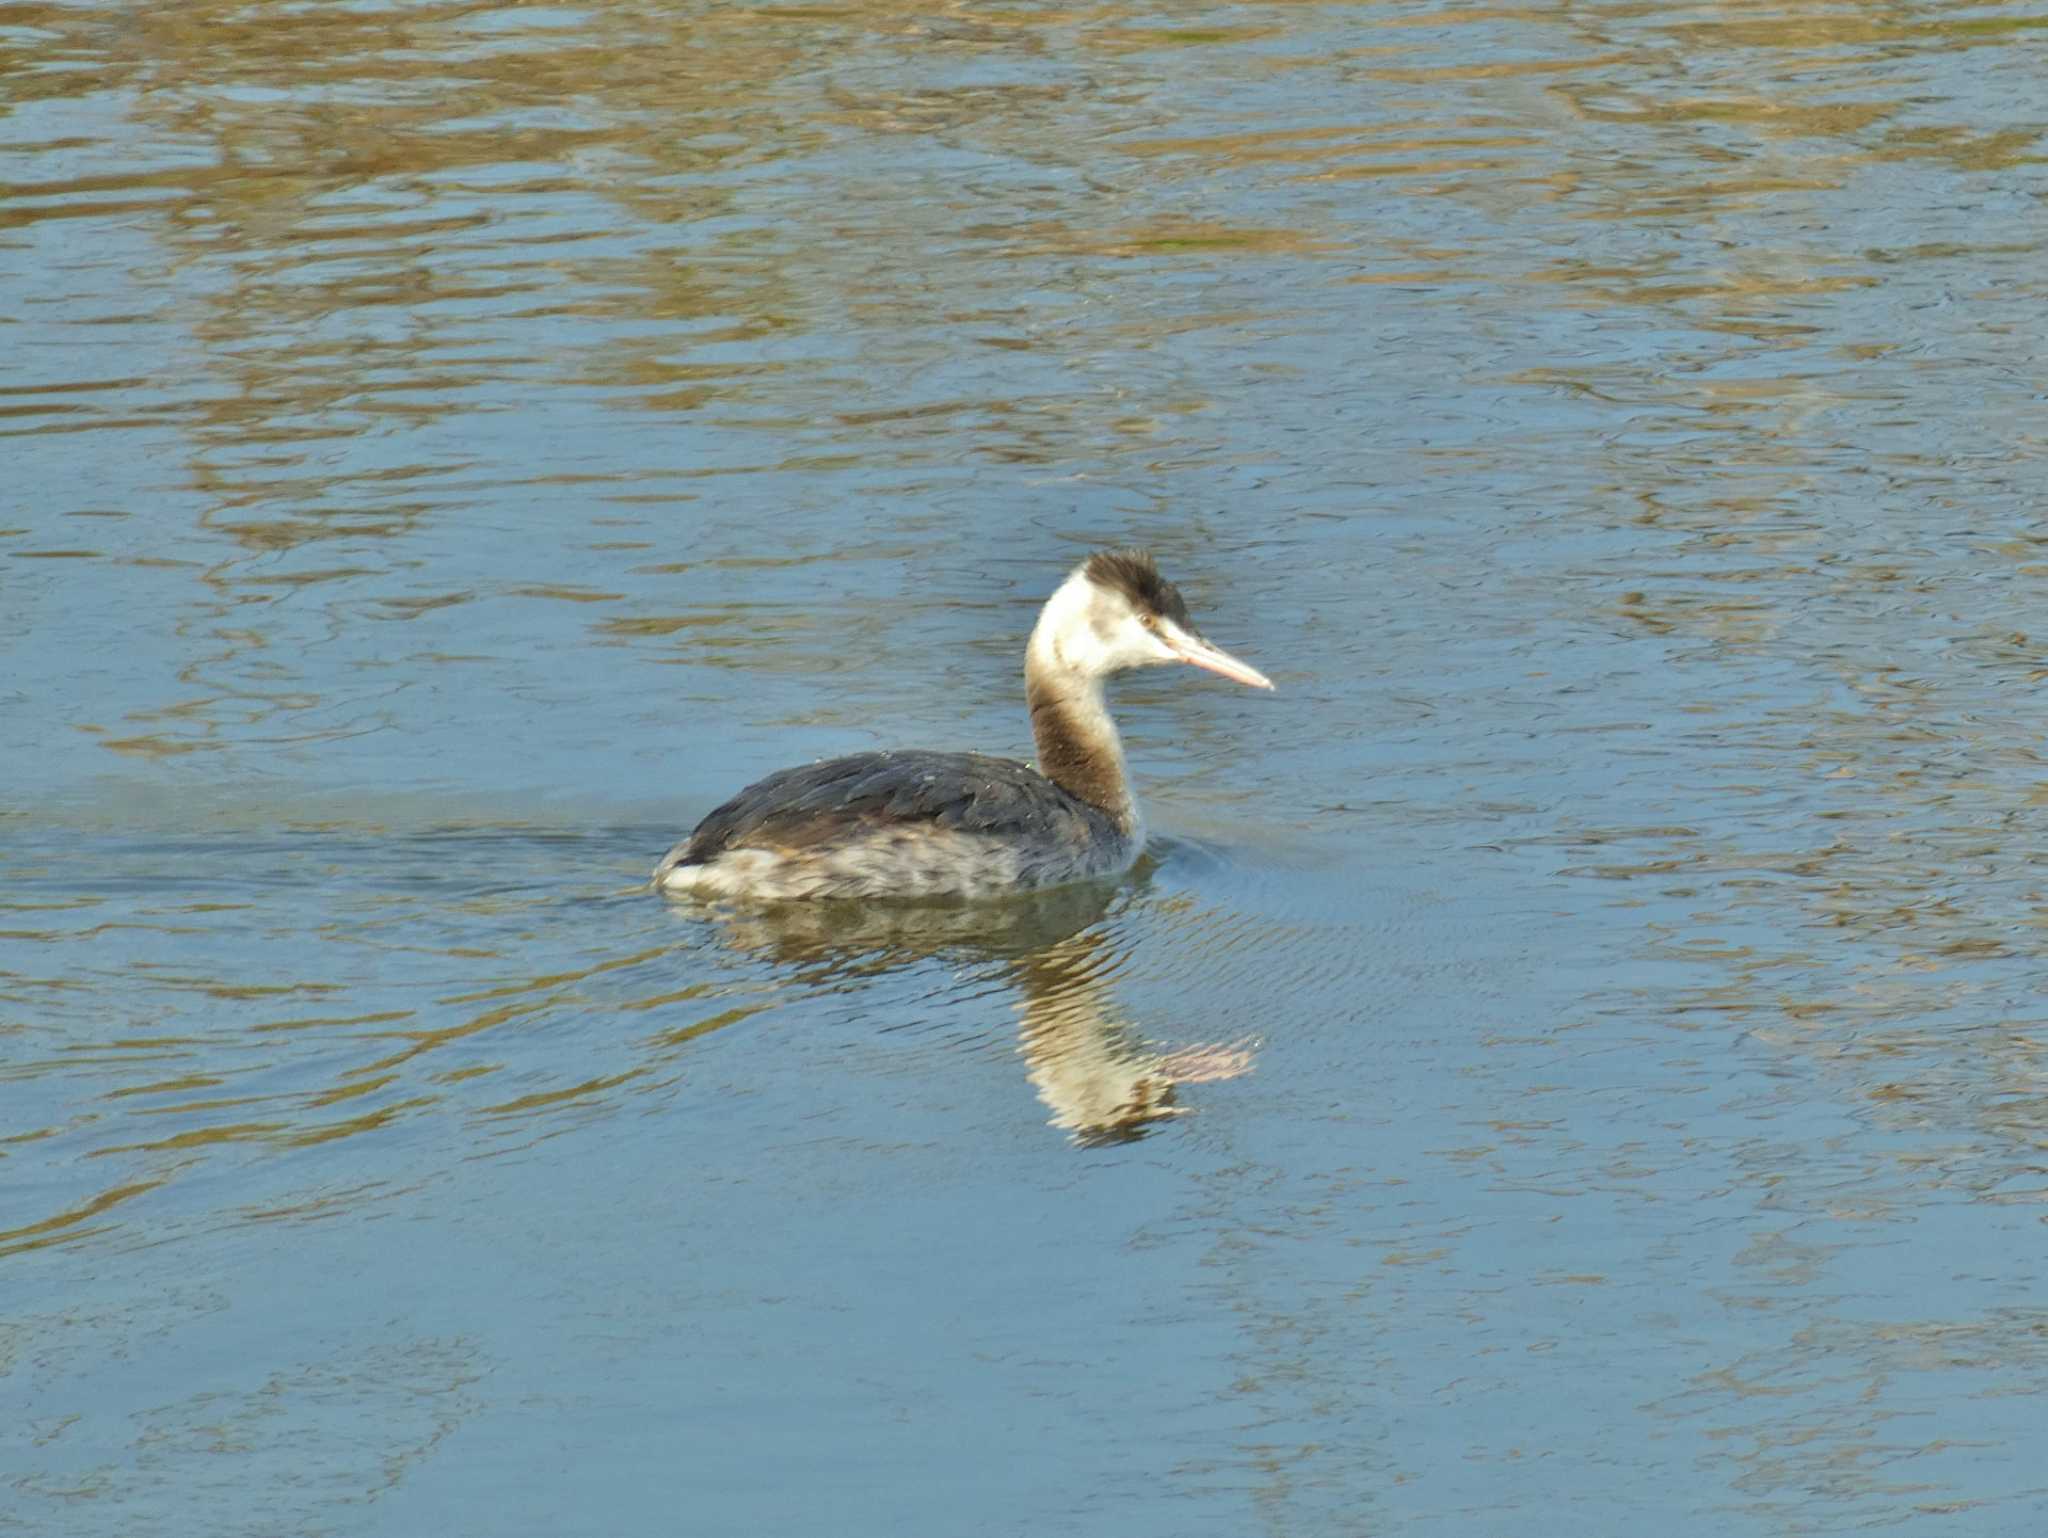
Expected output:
(906, 863)
(872, 868)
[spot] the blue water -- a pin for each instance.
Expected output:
(1574, 1056)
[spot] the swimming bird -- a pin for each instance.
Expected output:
(921, 824)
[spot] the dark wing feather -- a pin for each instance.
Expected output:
(818, 804)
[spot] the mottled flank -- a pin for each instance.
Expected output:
(901, 824)
(1135, 574)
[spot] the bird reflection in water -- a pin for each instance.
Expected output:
(1093, 1069)
(1090, 1067)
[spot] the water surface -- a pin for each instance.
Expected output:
(1575, 1055)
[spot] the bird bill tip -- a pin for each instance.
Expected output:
(1202, 655)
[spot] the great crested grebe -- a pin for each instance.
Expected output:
(927, 825)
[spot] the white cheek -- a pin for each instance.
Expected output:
(1087, 653)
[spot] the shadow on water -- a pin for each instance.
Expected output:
(1058, 950)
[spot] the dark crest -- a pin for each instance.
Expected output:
(1134, 574)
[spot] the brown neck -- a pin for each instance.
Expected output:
(1078, 748)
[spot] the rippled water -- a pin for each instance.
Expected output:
(1575, 1055)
